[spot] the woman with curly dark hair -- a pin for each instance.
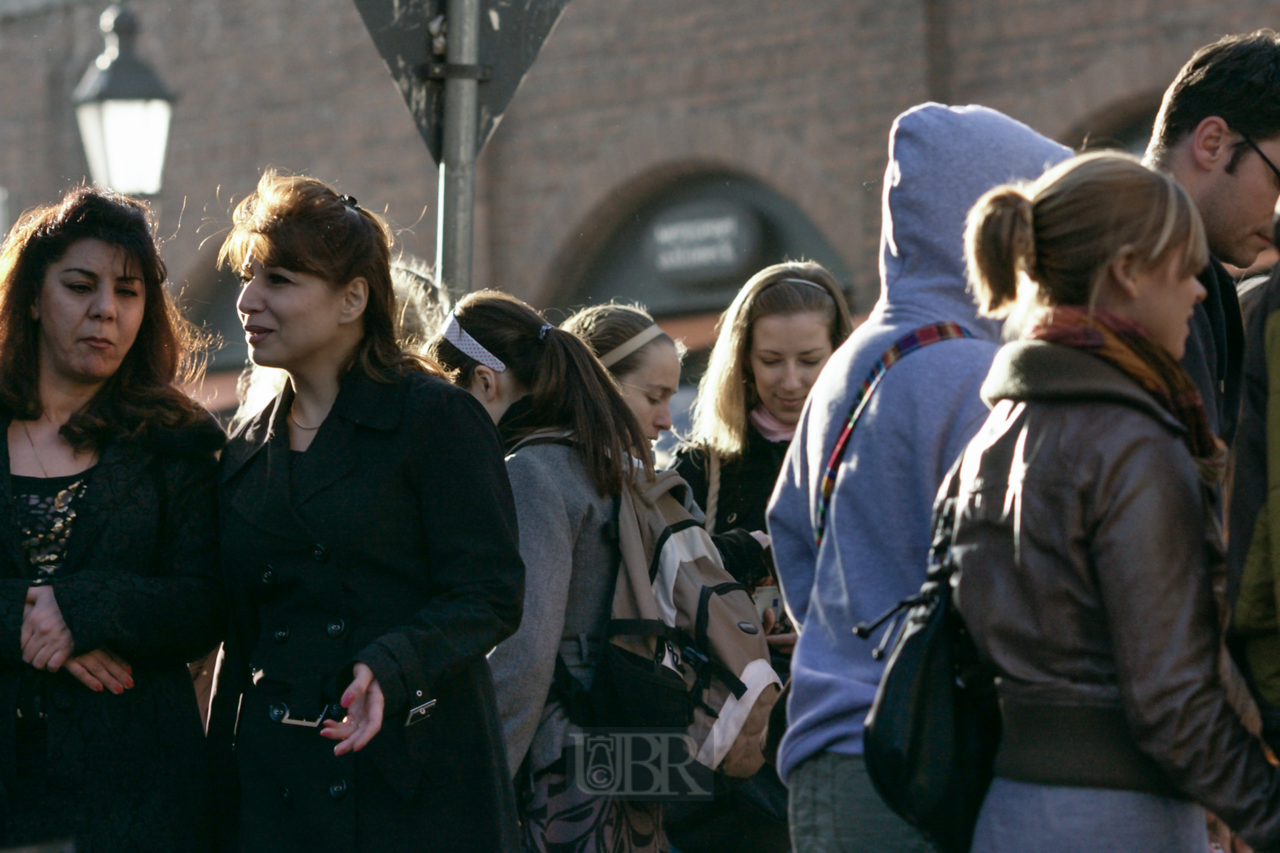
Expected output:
(108, 583)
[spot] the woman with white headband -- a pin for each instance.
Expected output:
(572, 442)
(369, 553)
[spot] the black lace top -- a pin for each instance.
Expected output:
(45, 510)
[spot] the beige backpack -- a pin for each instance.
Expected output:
(684, 645)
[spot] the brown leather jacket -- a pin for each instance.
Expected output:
(1088, 552)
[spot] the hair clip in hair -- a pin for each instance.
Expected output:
(542, 333)
(349, 201)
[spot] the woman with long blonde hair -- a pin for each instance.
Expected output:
(773, 341)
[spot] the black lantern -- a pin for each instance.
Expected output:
(123, 110)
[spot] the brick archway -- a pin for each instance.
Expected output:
(656, 153)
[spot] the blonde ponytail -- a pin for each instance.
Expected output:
(999, 245)
(1062, 231)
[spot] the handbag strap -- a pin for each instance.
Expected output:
(940, 566)
(902, 347)
(944, 528)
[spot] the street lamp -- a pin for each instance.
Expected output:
(123, 110)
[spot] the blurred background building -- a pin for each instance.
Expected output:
(659, 151)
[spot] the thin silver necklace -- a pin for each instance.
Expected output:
(300, 426)
(34, 454)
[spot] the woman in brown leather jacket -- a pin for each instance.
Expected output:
(1087, 543)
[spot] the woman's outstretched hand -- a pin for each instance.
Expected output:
(46, 639)
(101, 670)
(364, 703)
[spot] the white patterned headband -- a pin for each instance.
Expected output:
(630, 345)
(469, 346)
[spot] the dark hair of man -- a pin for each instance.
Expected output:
(302, 225)
(568, 387)
(1237, 78)
(142, 393)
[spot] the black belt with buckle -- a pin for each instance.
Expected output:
(419, 713)
(279, 713)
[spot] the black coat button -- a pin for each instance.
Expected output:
(337, 628)
(338, 789)
(320, 554)
(268, 575)
(282, 635)
(277, 712)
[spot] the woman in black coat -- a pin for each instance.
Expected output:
(369, 548)
(108, 570)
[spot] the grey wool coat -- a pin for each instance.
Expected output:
(568, 541)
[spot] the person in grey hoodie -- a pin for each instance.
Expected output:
(941, 159)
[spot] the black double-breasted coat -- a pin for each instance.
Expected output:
(390, 541)
(140, 577)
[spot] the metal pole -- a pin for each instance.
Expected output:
(456, 204)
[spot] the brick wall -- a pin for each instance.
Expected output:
(292, 83)
(793, 94)
(797, 93)
(801, 95)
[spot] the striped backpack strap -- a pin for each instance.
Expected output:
(904, 346)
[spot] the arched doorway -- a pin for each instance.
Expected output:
(682, 245)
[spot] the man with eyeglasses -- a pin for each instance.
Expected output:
(1218, 134)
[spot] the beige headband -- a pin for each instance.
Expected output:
(625, 349)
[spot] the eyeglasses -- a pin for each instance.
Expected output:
(1264, 157)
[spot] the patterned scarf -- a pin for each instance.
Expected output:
(1125, 344)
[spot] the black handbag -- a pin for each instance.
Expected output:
(933, 729)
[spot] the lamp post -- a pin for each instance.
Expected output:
(123, 110)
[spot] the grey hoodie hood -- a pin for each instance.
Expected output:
(941, 160)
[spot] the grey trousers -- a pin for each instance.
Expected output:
(835, 809)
